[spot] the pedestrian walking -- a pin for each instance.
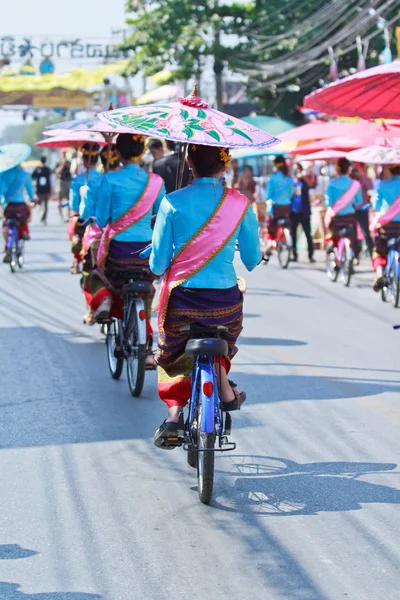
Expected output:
(301, 211)
(63, 171)
(42, 176)
(359, 173)
(167, 167)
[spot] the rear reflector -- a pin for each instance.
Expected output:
(142, 315)
(208, 388)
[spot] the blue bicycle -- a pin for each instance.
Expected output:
(391, 289)
(207, 427)
(15, 247)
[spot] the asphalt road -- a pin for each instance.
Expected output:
(306, 508)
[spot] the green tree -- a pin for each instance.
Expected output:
(183, 34)
(292, 42)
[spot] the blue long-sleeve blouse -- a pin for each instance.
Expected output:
(335, 190)
(76, 201)
(388, 192)
(181, 215)
(13, 185)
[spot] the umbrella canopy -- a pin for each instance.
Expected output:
(273, 125)
(320, 130)
(370, 94)
(339, 143)
(160, 94)
(326, 155)
(72, 139)
(11, 155)
(379, 155)
(88, 124)
(190, 120)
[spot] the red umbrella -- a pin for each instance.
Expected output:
(325, 155)
(72, 140)
(370, 94)
(331, 144)
(320, 130)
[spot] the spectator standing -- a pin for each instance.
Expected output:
(301, 211)
(63, 171)
(42, 176)
(168, 166)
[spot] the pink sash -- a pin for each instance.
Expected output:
(136, 212)
(92, 233)
(389, 216)
(206, 243)
(343, 201)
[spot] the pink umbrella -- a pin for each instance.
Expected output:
(320, 130)
(370, 94)
(90, 124)
(329, 144)
(189, 120)
(379, 155)
(72, 139)
(325, 155)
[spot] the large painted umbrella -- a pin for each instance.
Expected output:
(89, 124)
(321, 130)
(71, 139)
(370, 94)
(379, 155)
(339, 143)
(11, 155)
(189, 120)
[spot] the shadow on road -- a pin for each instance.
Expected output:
(11, 591)
(277, 487)
(260, 341)
(15, 551)
(273, 292)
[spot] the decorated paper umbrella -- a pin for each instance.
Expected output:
(72, 139)
(325, 155)
(189, 120)
(11, 155)
(90, 124)
(379, 155)
(370, 94)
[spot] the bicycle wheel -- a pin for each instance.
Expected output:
(136, 359)
(13, 257)
(113, 339)
(205, 462)
(346, 271)
(331, 265)
(283, 254)
(395, 284)
(192, 457)
(21, 254)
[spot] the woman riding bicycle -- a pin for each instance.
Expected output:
(343, 195)
(279, 192)
(91, 238)
(127, 201)
(194, 243)
(90, 157)
(388, 224)
(13, 185)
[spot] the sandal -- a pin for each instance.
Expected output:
(237, 402)
(169, 435)
(379, 284)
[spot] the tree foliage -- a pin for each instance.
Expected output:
(183, 35)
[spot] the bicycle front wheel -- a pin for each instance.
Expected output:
(13, 256)
(136, 359)
(395, 285)
(21, 254)
(283, 254)
(113, 341)
(205, 462)
(346, 272)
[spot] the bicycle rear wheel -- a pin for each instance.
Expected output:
(113, 340)
(13, 255)
(205, 462)
(331, 266)
(136, 359)
(346, 271)
(283, 254)
(395, 289)
(21, 254)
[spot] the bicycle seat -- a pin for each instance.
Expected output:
(196, 331)
(207, 347)
(344, 231)
(137, 287)
(393, 243)
(282, 221)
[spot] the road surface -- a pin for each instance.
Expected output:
(306, 508)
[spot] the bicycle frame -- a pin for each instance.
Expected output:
(204, 372)
(12, 235)
(393, 259)
(343, 249)
(133, 303)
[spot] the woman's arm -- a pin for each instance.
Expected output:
(163, 240)
(29, 187)
(160, 197)
(249, 244)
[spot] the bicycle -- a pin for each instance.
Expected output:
(206, 430)
(283, 242)
(127, 339)
(391, 291)
(340, 257)
(15, 247)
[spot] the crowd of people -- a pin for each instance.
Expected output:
(136, 218)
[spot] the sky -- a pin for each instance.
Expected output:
(60, 18)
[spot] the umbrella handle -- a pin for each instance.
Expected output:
(182, 166)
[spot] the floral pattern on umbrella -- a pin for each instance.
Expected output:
(378, 155)
(189, 120)
(11, 155)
